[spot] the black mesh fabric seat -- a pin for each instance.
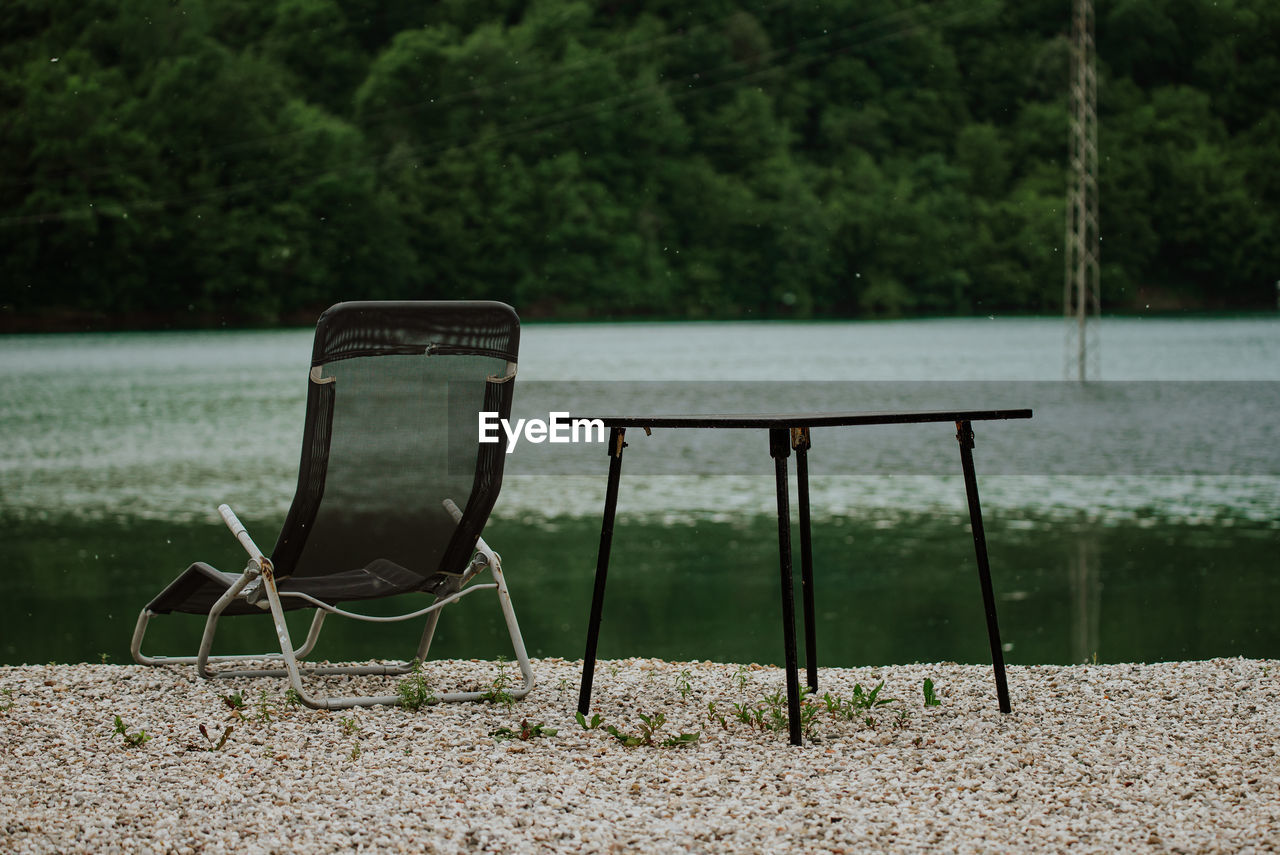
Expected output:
(394, 487)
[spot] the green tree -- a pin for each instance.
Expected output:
(313, 40)
(253, 160)
(78, 184)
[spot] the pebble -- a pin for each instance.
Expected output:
(1164, 757)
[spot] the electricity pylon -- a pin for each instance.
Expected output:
(1081, 294)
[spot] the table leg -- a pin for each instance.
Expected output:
(780, 450)
(964, 433)
(616, 445)
(800, 442)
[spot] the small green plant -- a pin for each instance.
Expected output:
(930, 699)
(774, 714)
(626, 739)
(742, 713)
(526, 732)
(104, 658)
(7, 703)
(134, 740)
(234, 701)
(741, 678)
(869, 700)
(862, 704)
(498, 693)
(777, 718)
(292, 698)
(350, 725)
(564, 685)
(415, 690)
(649, 726)
(712, 715)
(808, 717)
(902, 719)
(588, 724)
(355, 751)
(215, 745)
(684, 684)
(264, 708)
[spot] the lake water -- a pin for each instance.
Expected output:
(1136, 519)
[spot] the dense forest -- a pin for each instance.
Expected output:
(195, 162)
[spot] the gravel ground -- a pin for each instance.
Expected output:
(1169, 757)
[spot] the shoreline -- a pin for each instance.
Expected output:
(1175, 756)
(61, 320)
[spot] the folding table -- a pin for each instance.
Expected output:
(790, 431)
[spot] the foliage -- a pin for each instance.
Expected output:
(525, 733)
(772, 715)
(415, 690)
(585, 723)
(497, 692)
(131, 740)
(861, 704)
(264, 709)
(930, 699)
(214, 744)
(209, 162)
(649, 727)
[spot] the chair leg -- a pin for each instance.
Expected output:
(294, 672)
(286, 646)
(144, 620)
(200, 661)
(428, 634)
(313, 635)
(513, 630)
(211, 626)
(290, 656)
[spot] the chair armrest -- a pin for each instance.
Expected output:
(241, 534)
(453, 509)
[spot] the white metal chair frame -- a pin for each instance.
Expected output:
(258, 578)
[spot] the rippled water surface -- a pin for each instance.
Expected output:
(1132, 520)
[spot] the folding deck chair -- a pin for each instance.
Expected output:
(394, 489)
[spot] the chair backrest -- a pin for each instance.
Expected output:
(391, 432)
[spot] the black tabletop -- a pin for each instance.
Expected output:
(807, 420)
